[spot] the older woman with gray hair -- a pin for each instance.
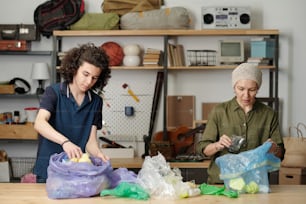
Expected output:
(244, 116)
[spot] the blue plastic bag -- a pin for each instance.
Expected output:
(247, 172)
(67, 179)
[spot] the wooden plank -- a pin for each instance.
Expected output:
(206, 108)
(207, 32)
(25, 132)
(180, 111)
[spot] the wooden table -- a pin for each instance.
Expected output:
(21, 193)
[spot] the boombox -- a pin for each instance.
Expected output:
(226, 18)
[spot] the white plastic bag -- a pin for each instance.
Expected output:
(162, 182)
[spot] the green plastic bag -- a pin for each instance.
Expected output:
(214, 190)
(128, 190)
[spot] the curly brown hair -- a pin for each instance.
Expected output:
(91, 54)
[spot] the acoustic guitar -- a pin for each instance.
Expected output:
(181, 137)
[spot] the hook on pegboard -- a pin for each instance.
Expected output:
(130, 92)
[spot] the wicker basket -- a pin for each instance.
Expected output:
(21, 166)
(163, 147)
(201, 57)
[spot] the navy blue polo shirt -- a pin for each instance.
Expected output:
(68, 118)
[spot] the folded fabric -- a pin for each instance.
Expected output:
(97, 21)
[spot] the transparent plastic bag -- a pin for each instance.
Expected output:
(162, 182)
(68, 179)
(247, 172)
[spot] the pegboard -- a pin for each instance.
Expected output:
(117, 125)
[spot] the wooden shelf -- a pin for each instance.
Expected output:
(88, 33)
(19, 96)
(217, 67)
(222, 67)
(32, 53)
(20, 131)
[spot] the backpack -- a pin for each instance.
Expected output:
(57, 15)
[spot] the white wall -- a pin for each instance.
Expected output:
(287, 16)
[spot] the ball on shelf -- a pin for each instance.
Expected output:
(131, 60)
(114, 51)
(131, 50)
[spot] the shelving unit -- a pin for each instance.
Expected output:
(21, 131)
(271, 99)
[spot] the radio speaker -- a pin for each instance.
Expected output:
(226, 18)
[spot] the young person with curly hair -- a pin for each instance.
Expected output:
(71, 112)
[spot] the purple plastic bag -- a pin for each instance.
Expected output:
(122, 175)
(67, 179)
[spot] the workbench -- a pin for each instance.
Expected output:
(136, 162)
(190, 170)
(20, 193)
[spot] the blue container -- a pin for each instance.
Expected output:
(264, 48)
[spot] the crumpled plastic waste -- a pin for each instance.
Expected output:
(128, 190)
(162, 182)
(215, 190)
(247, 172)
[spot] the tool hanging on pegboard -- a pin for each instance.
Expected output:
(130, 92)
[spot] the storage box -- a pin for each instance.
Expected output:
(264, 48)
(21, 131)
(7, 89)
(119, 152)
(27, 32)
(163, 147)
(4, 172)
(15, 45)
(292, 176)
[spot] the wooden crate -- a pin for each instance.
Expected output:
(20, 131)
(7, 89)
(163, 147)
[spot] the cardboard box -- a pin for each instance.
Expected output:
(4, 172)
(292, 176)
(119, 152)
(264, 48)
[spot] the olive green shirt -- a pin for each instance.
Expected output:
(260, 124)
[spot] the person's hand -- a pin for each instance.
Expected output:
(104, 157)
(72, 150)
(275, 149)
(224, 142)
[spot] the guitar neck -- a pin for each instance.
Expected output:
(191, 132)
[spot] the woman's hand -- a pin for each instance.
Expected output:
(224, 142)
(275, 149)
